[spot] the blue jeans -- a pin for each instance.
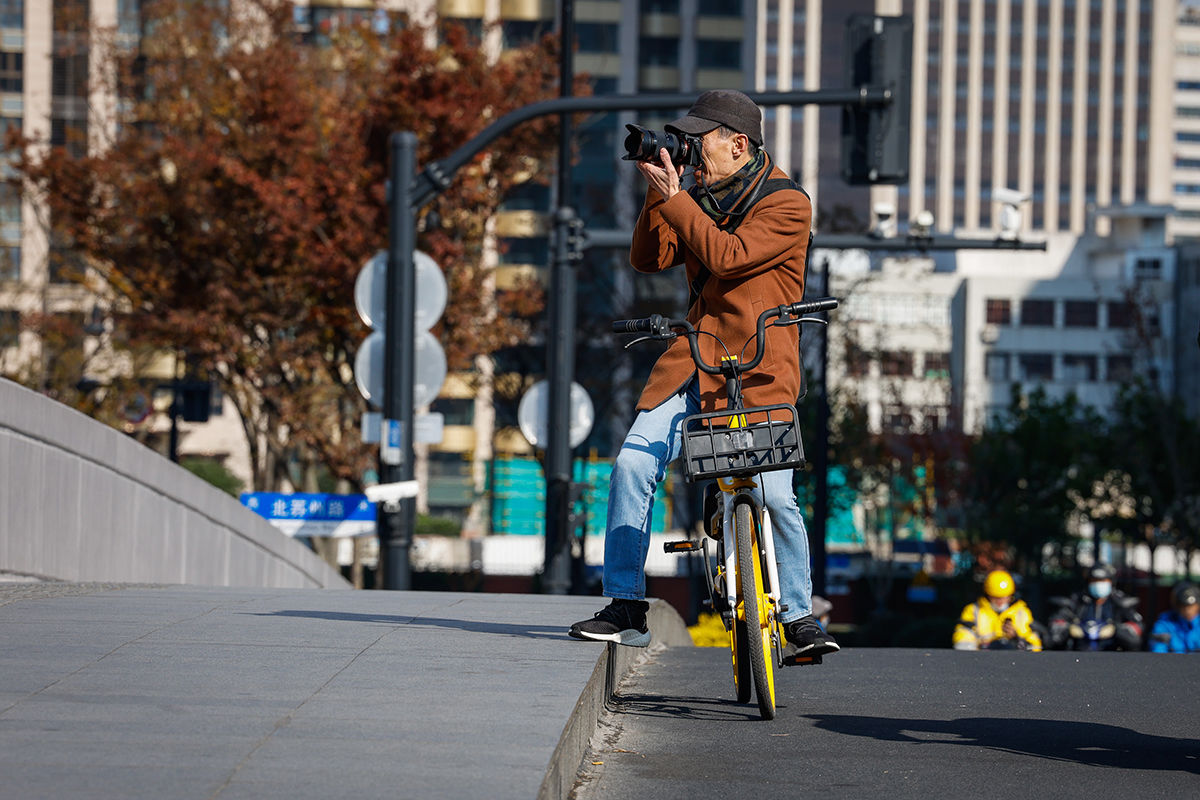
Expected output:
(651, 444)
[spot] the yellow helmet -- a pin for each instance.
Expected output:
(998, 584)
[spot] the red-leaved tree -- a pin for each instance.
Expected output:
(238, 186)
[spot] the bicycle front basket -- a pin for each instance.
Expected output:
(713, 448)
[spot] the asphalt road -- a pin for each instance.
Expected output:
(894, 723)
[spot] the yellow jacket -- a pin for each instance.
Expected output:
(980, 625)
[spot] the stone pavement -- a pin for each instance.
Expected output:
(111, 691)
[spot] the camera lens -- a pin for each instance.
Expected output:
(643, 144)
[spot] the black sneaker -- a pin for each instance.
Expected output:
(806, 638)
(621, 621)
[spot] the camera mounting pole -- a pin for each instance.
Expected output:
(408, 193)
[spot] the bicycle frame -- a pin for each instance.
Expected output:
(729, 446)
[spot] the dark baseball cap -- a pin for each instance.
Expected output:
(718, 107)
(1186, 594)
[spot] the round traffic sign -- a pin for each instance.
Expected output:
(534, 411)
(368, 369)
(370, 291)
(429, 371)
(429, 368)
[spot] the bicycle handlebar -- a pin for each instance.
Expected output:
(662, 327)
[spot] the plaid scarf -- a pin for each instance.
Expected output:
(719, 200)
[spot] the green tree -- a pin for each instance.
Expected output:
(1154, 485)
(1027, 468)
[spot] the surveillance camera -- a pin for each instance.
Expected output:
(922, 224)
(1009, 219)
(390, 494)
(1009, 196)
(885, 222)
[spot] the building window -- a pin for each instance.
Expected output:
(10, 262)
(1120, 367)
(1037, 313)
(527, 196)
(12, 13)
(1120, 314)
(660, 6)
(518, 33)
(533, 250)
(1078, 368)
(1148, 268)
(1081, 313)
(10, 327)
(658, 51)
(858, 362)
(995, 366)
(895, 418)
(69, 75)
(721, 8)
(596, 37)
(998, 311)
(454, 410)
(719, 53)
(937, 365)
(1036, 366)
(10, 205)
(71, 134)
(473, 26)
(12, 72)
(896, 362)
(935, 418)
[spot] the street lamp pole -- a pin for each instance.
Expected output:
(396, 519)
(560, 344)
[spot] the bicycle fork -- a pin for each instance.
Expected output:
(734, 490)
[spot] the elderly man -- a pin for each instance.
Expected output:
(742, 235)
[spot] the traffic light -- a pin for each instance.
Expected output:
(875, 137)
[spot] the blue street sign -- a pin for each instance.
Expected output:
(314, 514)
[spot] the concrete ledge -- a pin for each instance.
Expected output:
(667, 629)
(83, 502)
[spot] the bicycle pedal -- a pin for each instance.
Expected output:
(686, 546)
(802, 661)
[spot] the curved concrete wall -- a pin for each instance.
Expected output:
(79, 501)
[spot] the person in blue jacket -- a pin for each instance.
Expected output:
(1178, 630)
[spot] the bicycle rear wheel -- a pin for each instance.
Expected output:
(754, 605)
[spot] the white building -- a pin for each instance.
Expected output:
(936, 341)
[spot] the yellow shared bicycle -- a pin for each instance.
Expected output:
(734, 445)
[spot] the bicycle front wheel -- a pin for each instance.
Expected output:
(754, 608)
(742, 679)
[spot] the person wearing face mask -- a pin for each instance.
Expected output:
(1178, 630)
(1100, 618)
(742, 234)
(998, 620)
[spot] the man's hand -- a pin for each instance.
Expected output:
(663, 178)
(1010, 630)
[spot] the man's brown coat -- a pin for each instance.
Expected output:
(758, 266)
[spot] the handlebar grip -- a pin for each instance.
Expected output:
(632, 325)
(823, 304)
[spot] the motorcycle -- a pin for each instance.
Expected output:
(1083, 624)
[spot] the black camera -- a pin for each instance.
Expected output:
(643, 144)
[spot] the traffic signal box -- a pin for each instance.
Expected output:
(875, 138)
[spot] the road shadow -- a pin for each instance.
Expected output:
(473, 626)
(1087, 743)
(697, 708)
